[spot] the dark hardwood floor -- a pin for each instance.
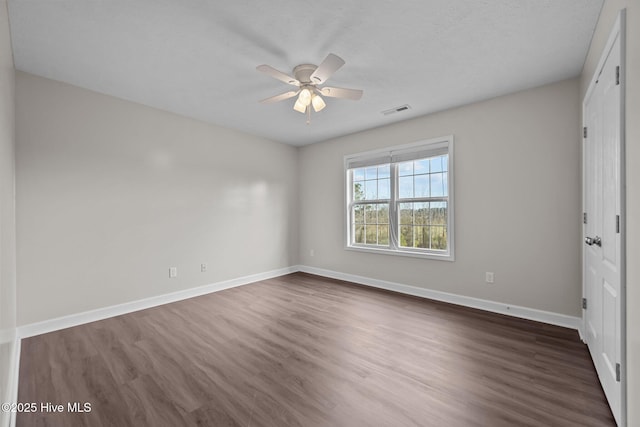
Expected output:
(301, 350)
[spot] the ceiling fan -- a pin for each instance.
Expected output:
(307, 78)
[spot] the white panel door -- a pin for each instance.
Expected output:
(603, 250)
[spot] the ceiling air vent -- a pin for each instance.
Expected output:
(399, 109)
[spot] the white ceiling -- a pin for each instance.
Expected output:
(198, 57)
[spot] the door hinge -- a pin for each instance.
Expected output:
(584, 303)
(618, 372)
(618, 75)
(617, 223)
(584, 132)
(584, 218)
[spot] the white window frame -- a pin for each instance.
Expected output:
(424, 148)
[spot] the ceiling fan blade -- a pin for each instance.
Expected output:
(330, 65)
(280, 97)
(269, 70)
(338, 92)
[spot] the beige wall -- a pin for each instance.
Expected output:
(110, 194)
(517, 202)
(7, 212)
(605, 24)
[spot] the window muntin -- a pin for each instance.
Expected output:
(423, 220)
(372, 183)
(371, 224)
(400, 201)
(371, 192)
(423, 225)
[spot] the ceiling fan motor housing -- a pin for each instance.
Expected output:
(303, 72)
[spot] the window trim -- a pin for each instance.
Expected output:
(443, 145)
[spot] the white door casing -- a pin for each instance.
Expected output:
(603, 260)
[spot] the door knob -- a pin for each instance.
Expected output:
(593, 241)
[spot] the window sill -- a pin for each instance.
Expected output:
(411, 254)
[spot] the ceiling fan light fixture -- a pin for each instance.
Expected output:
(300, 107)
(318, 103)
(305, 97)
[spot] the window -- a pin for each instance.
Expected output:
(400, 200)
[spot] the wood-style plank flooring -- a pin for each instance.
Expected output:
(302, 350)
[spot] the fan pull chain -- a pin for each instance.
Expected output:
(308, 114)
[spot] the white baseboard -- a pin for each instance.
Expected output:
(38, 328)
(492, 306)
(9, 337)
(51, 325)
(14, 377)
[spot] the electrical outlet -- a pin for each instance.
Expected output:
(203, 268)
(173, 272)
(312, 252)
(489, 277)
